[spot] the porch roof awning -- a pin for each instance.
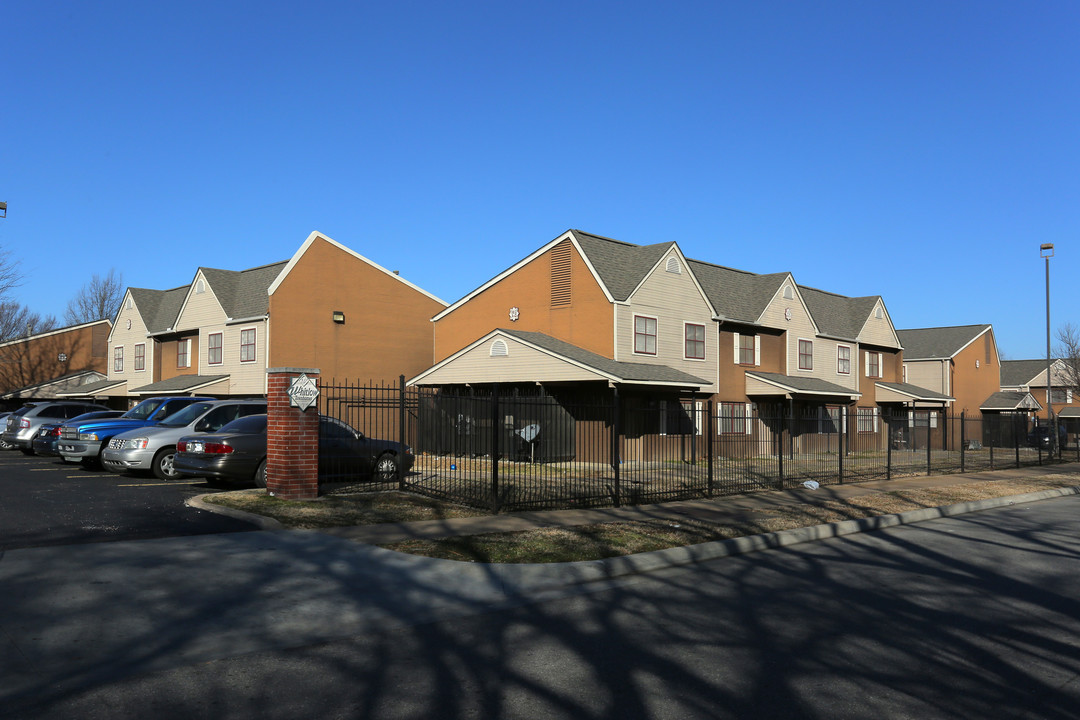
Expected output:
(906, 392)
(762, 383)
(54, 387)
(100, 388)
(1070, 412)
(183, 384)
(1009, 400)
(509, 356)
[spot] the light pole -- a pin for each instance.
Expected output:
(1046, 251)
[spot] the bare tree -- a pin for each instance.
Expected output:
(11, 275)
(1068, 351)
(17, 321)
(98, 299)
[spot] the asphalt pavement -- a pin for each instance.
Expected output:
(76, 616)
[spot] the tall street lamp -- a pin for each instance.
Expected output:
(1046, 251)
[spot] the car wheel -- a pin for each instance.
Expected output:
(163, 464)
(386, 467)
(260, 475)
(26, 451)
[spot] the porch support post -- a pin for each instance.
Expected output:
(616, 437)
(292, 438)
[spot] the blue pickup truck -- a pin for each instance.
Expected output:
(84, 441)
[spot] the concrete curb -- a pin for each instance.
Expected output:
(533, 578)
(261, 521)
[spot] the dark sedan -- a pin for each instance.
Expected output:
(237, 452)
(48, 435)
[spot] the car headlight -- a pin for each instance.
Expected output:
(88, 436)
(137, 444)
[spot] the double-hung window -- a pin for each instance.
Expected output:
(734, 419)
(843, 360)
(247, 345)
(644, 335)
(183, 353)
(213, 349)
(806, 355)
(873, 364)
(140, 356)
(118, 359)
(747, 350)
(695, 342)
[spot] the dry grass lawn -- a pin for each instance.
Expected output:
(590, 542)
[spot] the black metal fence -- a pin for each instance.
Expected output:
(513, 452)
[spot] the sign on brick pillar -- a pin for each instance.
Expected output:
(292, 433)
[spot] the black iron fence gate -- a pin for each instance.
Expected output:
(509, 452)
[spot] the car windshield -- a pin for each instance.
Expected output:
(186, 416)
(143, 410)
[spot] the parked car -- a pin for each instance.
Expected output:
(48, 435)
(3, 424)
(83, 441)
(23, 424)
(152, 449)
(1040, 437)
(238, 452)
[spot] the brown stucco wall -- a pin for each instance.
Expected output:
(588, 322)
(166, 367)
(387, 330)
(971, 385)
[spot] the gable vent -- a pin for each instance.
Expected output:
(673, 265)
(499, 349)
(200, 287)
(878, 313)
(788, 292)
(560, 274)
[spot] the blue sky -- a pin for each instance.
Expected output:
(920, 151)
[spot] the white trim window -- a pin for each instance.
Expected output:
(747, 350)
(644, 335)
(183, 353)
(843, 360)
(806, 355)
(873, 364)
(734, 419)
(867, 419)
(694, 345)
(214, 349)
(140, 357)
(247, 345)
(118, 359)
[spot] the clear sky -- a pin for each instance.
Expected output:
(921, 151)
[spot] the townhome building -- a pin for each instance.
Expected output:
(588, 315)
(326, 308)
(1029, 377)
(46, 364)
(959, 361)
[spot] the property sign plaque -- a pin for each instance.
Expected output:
(302, 392)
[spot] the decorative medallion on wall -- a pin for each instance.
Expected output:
(787, 313)
(62, 357)
(129, 324)
(514, 314)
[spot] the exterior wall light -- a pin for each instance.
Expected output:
(339, 317)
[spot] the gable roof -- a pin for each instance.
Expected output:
(940, 343)
(244, 293)
(839, 316)
(611, 370)
(1006, 400)
(1016, 373)
(159, 308)
(276, 282)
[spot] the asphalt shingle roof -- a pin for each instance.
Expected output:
(243, 293)
(804, 384)
(914, 390)
(180, 383)
(1005, 400)
(1015, 373)
(938, 343)
(630, 372)
(836, 315)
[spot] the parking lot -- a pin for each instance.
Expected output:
(48, 502)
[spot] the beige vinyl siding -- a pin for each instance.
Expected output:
(129, 339)
(674, 300)
(825, 352)
(201, 310)
(521, 363)
(879, 331)
(245, 378)
(929, 374)
(800, 327)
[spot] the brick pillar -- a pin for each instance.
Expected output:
(292, 438)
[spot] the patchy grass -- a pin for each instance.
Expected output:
(342, 510)
(592, 542)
